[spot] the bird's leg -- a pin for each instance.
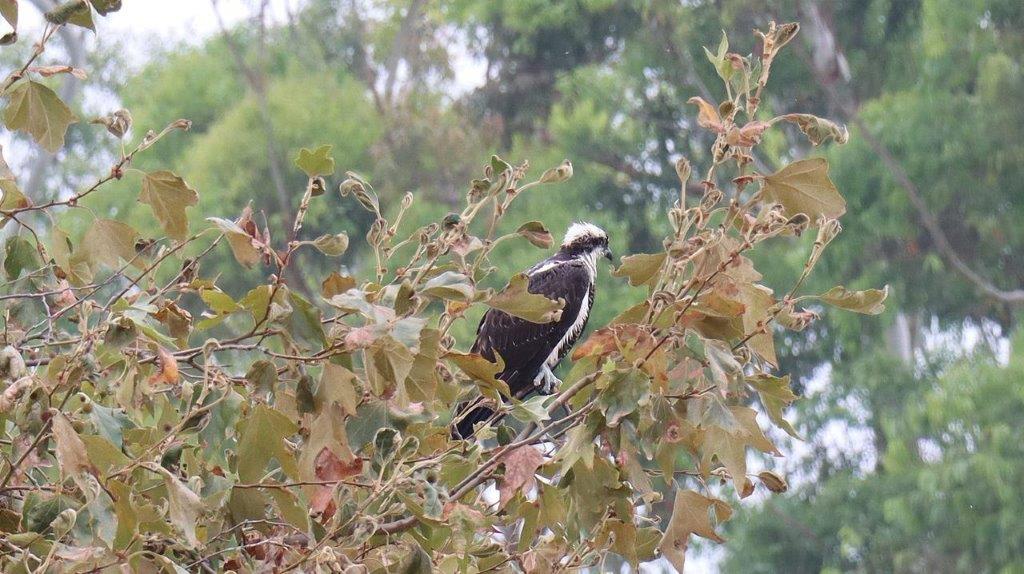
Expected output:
(546, 382)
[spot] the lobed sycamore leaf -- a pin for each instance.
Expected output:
(317, 162)
(804, 187)
(262, 436)
(37, 110)
(108, 242)
(516, 300)
(691, 514)
(776, 395)
(521, 465)
(641, 269)
(729, 441)
(184, 506)
(168, 195)
(481, 370)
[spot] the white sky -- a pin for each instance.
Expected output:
(144, 20)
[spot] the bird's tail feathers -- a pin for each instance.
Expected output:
(464, 428)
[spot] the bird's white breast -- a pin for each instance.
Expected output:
(590, 262)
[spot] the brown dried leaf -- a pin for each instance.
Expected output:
(707, 117)
(520, 466)
(691, 515)
(167, 368)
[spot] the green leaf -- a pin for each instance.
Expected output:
(594, 491)
(219, 431)
(369, 418)
(450, 285)
(11, 197)
(219, 301)
(868, 302)
(338, 385)
(387, 363)
(532, 410)
(108, 242)
(423, 377)
(729, 441)
(262, 375)
(291, 508)
(168, 195)
(634, 544)
(19, 255)
(641, 268)
(105, 7)
(722, 64)
(775, 395)
(481, 370)
(36, 109)
(331, 245)
(110, 423)
(184, 505)
(536, 233)
(326, 432)
(758, 301)
(818, 130)
(499, 166)
(804, 187)
(262, 438)
(77, 12)
(317, 162)
(622, 393)
(304, 322)
(516, 300)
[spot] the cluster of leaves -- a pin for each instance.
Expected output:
(148, 417)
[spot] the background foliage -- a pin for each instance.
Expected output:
(909, 420)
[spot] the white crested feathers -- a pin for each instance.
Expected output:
(581, 229)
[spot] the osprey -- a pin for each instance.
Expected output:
(531, 351)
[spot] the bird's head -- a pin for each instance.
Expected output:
(584, 239)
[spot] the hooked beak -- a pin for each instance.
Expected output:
(608, 254)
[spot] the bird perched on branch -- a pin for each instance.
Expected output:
(531, 351)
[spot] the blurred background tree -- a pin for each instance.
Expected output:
(912, 427)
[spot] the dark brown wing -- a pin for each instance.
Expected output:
(524, 346)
